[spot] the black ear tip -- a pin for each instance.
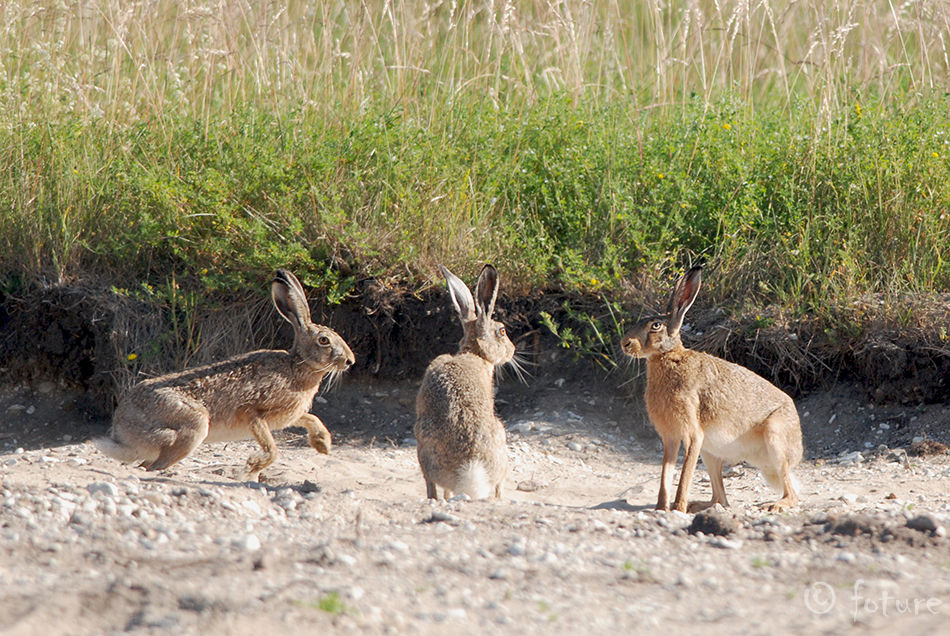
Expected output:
(281, 276)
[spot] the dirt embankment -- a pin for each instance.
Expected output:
(98, 342)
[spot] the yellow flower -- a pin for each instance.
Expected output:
(659, 176)
(857, 109)
(132, 356)
(726, 127)
(936, 155)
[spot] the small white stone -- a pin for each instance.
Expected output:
(518, 547)
(847, 557)
(399, 546)
(346, 559)
(248, 542)
(110, 490)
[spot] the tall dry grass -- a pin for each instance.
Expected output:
(128, 62)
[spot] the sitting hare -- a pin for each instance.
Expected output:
(715, 408)
(161, 420)
(462, 443)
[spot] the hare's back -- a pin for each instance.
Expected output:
(728, 390)
(455, 397)
(735, 404)
(230, 391)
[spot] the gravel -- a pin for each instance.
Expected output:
(347, 543)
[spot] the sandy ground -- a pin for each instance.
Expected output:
(347, 543)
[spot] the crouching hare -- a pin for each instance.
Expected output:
(462, 444)
(715, 408)
(162, 420)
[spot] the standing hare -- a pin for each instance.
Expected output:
(162, 420)
(462, 443)
(715, 408)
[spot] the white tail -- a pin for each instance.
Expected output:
(473, 480)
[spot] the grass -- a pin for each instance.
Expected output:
(799, 149)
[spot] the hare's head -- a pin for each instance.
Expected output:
(316, 345)
(484, 337)
(660, 334)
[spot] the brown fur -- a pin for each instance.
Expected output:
(462, 443)
(713, 407)
(162, 420)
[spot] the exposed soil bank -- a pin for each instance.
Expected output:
(84, 337)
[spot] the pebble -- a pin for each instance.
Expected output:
(106, 488)
(247, 542)
(251, 506)
(444, 517)
(398, 546)
(518, 547)
(724, 543)
(574, 446)
(847, 557)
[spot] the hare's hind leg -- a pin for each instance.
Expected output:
(266, 456)
(789, 496)
(180, 438)
(319, 436)
(784, 449)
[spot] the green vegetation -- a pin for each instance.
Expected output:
(801, 149)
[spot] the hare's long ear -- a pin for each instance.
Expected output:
(687, 288)
(461, 296)
(487, 290)
(289, 298)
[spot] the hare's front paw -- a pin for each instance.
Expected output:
(781, 505)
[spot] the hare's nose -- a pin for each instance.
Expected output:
(628, 345)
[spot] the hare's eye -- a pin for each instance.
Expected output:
(323, 340)
(656, 326)
(502, 332)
